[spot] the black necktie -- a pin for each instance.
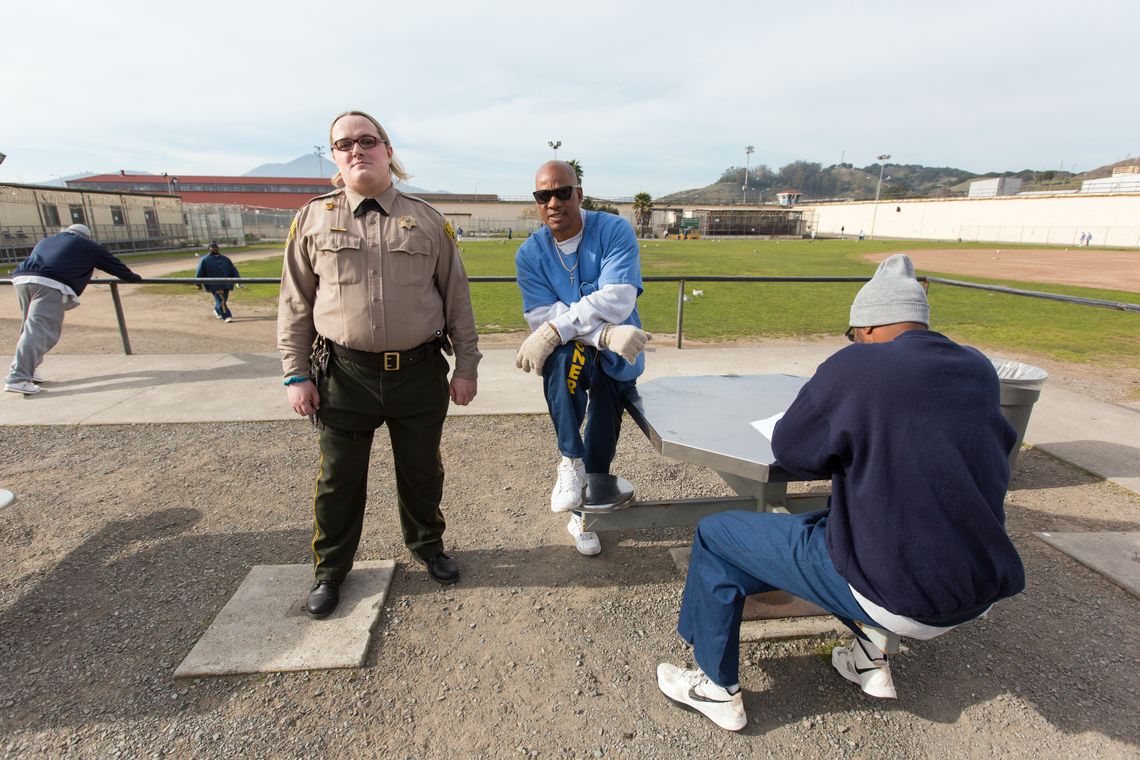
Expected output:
(369, 204)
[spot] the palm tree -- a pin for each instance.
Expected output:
(643, 211)
(577, 167)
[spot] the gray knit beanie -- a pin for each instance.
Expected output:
(892, 295)
(79, 229)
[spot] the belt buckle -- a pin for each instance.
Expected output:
(391, 361)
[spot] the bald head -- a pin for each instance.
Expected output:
(558, 172)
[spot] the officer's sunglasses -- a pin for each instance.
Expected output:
(542, 197)
(850, 334)
(367, 142)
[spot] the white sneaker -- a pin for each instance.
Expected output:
(585, 541)
(37, 377)
(693, 688)
(27, 387)
(229, 319)
(872, 675)
(568, 489)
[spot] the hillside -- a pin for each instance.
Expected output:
(817, 182)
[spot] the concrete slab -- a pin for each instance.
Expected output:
(1116, 556)
(791, 628)
(1101, 438)
(115, 389)
(263, 628)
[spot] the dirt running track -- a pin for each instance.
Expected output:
(1113, 270)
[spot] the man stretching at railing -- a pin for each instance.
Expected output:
(48, 283)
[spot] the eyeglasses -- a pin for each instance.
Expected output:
(542, 197)
(850, 334)
(366, 142)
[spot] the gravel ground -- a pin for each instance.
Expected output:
(125, 541)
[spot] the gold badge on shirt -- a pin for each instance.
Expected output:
(407, 222)
(449, 230)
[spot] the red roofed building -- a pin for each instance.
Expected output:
(258, 192)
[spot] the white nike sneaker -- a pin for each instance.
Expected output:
(586, 542)
(694, 689)
(27, 387)
(568, 489)
(872, 675)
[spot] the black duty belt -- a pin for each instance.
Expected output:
(390, 361)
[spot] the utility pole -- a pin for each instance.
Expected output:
(747, 164)
(878, 187)
(319, 151)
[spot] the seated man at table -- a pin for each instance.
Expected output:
(580, 277)
(908, 427)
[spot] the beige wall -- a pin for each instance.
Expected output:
(1113, 220)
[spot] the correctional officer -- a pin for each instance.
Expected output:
(372, 289)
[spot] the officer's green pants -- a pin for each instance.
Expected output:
(355, 400)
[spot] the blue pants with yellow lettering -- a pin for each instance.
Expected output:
(578, 389)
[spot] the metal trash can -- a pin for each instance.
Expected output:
(1020, 389)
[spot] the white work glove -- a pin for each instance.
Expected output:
(626, 341)
(535, 349)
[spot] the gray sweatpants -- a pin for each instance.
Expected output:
(42, 309)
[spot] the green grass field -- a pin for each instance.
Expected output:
(731, 311)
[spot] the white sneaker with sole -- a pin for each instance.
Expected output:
(568, 489)
(872, 675)
(27, 387)
(586, 542)
(693, 688)
(37, 377)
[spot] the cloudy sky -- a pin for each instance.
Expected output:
(656, 96)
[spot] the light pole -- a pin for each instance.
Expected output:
(555, 144)
(878, 187)
(319, 152)
(747, 162)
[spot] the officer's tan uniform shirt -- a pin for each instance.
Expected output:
(373, 283)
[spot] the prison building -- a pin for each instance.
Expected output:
(753, 222)
(121, 221)
(255, 192)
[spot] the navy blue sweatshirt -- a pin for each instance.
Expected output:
(217, 265)
(912, 436)
(70, 259)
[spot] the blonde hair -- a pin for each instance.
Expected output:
(394, 164)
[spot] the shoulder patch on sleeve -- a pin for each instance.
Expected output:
(449, 230)
(292, 230)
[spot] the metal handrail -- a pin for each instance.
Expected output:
(680, 280)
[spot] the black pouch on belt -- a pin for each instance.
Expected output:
(319, 358)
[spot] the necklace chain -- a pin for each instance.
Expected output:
(563, 263)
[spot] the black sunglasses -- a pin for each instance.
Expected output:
(850, 334)
(366, 142)
(542, 197)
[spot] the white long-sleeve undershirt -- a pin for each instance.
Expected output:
(585, 318)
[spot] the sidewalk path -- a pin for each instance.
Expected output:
(160, 388)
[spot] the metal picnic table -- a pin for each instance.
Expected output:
(706, 420)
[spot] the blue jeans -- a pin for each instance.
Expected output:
(577, 388)
(739, 553)
(221, 303)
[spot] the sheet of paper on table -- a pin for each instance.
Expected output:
(767, 425)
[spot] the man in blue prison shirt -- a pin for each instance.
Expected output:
(580, 277)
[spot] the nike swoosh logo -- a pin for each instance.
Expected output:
(867, 670)
(693, 695)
